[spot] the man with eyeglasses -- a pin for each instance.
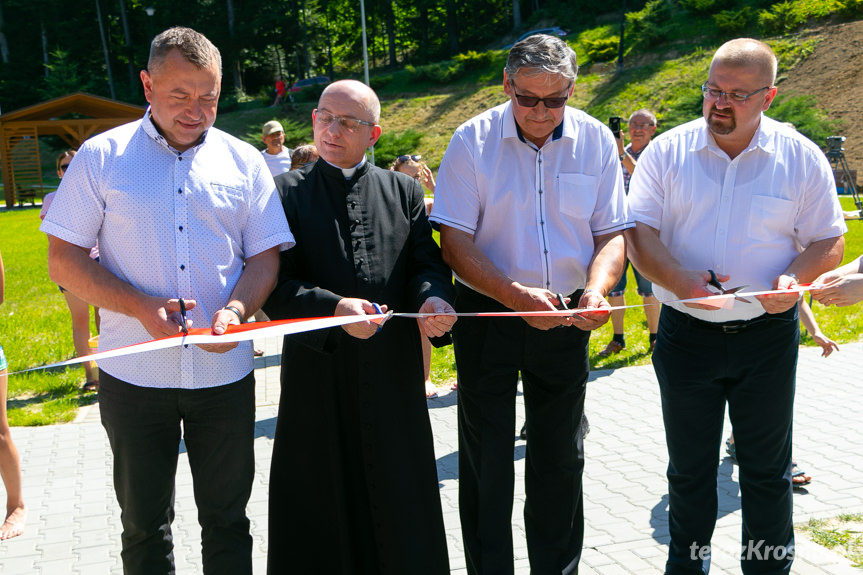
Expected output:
(642, 127)
(353, 483)
(531, 207)
(741, 196)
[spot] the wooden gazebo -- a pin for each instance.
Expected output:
(74, 118)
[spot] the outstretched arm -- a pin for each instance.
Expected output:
(70, 266)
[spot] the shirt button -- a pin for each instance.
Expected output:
(353, 204)
(180, 158)
(365, 280)
(183, 267)
(357, 222)
(181, 228)
(180, 191)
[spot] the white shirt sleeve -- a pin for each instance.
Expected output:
(457, 202)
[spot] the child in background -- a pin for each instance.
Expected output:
(413, 167)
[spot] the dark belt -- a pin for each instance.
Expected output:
(735, 326)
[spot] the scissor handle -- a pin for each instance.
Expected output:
(714, 281)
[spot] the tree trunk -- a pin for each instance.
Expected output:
(105, 51)
(516, 15)
(45, 59)
(133, 83)
(452, 27)
(4, 44)
(236, 73)
(391, 33)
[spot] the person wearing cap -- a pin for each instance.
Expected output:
(277, 156)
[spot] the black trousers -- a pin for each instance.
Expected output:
(143, 427)
(751, 366)
(490, 353)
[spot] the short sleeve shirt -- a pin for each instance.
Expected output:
(533, 211)
(173, 225)
(278, 163)
(749, 217)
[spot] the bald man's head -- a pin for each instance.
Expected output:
(746, 52)
(346, 122)
(358, 92)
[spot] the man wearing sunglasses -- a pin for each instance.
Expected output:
(741, 194)
(532, 211)
(359, 492)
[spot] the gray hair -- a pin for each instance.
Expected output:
(193, 46)
(542, 54)
(644, 112)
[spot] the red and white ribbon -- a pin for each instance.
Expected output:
(249, 331)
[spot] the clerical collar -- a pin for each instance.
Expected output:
(349, 172)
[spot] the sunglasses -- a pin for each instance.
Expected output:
(63, 167)
(532, 101)
(414, 157)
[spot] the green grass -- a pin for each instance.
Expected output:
(842, 325)
(35, 327)
(843, 533)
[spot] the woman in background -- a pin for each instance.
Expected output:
(78, 308)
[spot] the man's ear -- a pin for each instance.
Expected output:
(771, 94)
(507, 86)
(375, 134)
(147, 82)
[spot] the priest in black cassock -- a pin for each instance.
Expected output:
(353, 482)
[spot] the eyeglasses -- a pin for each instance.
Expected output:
(635, 126)
(349, 124)
(711, 94)
(63, 167)
(414, 157)
(532, 101)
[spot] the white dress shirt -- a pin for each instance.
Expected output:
(533, 212)
(278, 163)
(749, 217)
(172, 225)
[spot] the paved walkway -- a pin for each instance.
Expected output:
(74, 524)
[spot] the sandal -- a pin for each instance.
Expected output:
(731, 449)
(431, 390)
(90, 386)
(802, 476)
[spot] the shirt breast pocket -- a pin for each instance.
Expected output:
(226, 196)
(770, 218)
(577, 193)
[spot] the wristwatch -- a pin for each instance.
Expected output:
(623, 155)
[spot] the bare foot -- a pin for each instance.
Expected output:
(431, 390)
(14, 524)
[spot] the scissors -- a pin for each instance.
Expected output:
(715, 283)
(575, 314)
(183, 317)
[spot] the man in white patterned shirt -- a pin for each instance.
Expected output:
(180, 210)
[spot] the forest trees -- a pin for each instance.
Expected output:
(48, 47)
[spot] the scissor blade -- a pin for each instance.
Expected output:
(735, 290)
